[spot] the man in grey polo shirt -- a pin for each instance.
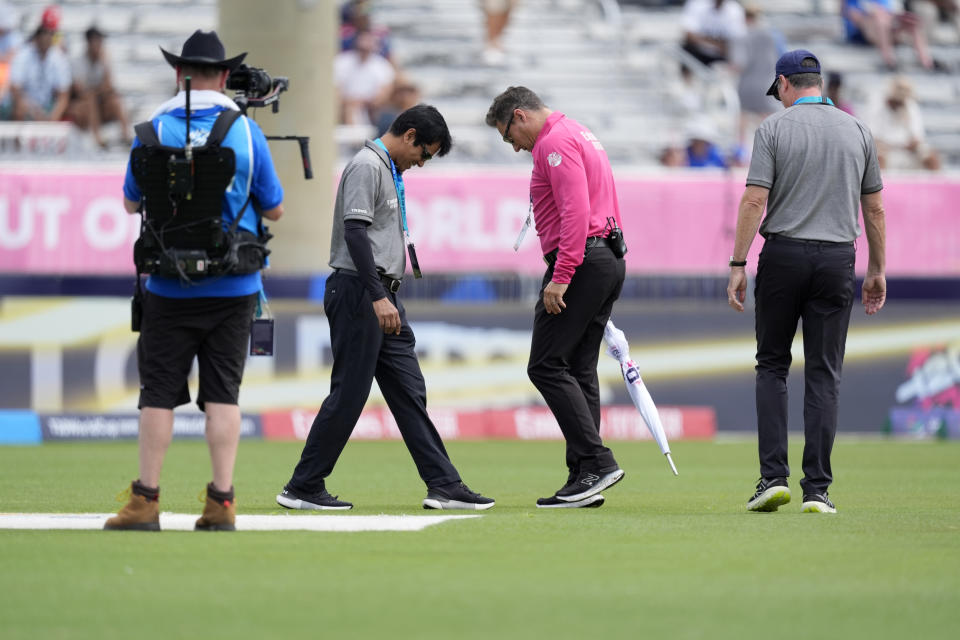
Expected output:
(369, 334)
(813, 167)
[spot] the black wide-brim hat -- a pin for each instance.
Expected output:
(203, 48)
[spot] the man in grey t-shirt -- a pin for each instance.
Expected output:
(369, 334)
(813, 167)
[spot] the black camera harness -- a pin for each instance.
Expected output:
(181, 187)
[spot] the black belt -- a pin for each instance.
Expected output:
(592, 241)
(392, 284)
(776, 237)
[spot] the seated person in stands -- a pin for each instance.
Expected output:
(355, 17)
(932, 13)
(40, 76)
(93, 100)
(874, 22)
(702, 151)
(364, 80)
(405, 95)
(10, 41)
(898, 130)
(834, 91)
(710, 27)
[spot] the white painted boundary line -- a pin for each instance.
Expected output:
(185, 522)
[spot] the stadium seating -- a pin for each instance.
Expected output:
(610, 65)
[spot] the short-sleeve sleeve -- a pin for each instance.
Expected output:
(131, 190)
(763, 161)
(265, 187)
(359, 188)
(871, 182)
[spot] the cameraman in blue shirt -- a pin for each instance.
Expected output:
(207, 318)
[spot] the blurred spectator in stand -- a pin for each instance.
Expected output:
(10, 37)
(356, 17)
(898, 130)
(673, 155)
(702, 150)
(496, 15)
(710, 27)
(93, 99)
(364, 80)
(755, 56)
(834, 91)
(874, 22)
(934, 12)
(405, 95)
(687, 94)
(10, 41)
(40, 75)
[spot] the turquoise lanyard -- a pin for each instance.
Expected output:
(814, 100)
(398, 184)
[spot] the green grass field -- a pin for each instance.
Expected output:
(666, 557)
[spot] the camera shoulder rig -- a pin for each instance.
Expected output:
(181, 233)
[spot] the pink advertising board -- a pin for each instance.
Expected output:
(59, 220)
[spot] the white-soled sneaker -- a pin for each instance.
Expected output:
(818, 503)
(456, 495)
(589, 483)
(771, 494)
(322, 501)
(553, 502)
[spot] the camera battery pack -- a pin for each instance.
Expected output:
(261, 337)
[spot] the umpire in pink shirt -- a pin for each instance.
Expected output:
(575, 207)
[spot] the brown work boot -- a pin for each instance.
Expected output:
(141, 513)
(219, 512)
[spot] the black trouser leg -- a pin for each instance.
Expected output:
(355, 339)
(814, 281)
(826, 318)
(780, 286)
(559, 366)
(401, 381)
(583, 367)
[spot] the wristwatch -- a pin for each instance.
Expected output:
(737, 263)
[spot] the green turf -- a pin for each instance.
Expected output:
(665, 558)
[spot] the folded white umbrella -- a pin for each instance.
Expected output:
(618, 349)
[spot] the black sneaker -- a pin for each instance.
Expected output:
(818, 503)
(319, 501)
(456, 495)
(589, 483)
(553, 502)
(771, 493)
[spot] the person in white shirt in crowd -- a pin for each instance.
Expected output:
(364, 80)
(710, 27)
(40, 76)
(897, 127)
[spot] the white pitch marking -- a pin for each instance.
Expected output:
(185, 522)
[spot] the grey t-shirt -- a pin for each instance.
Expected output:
(367, 192)
(817, 161)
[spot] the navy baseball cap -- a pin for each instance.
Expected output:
(789, 64)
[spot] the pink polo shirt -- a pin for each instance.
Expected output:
(572, 190)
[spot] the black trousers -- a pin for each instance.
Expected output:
(564, 353)
(813, 281)
(362, 352)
